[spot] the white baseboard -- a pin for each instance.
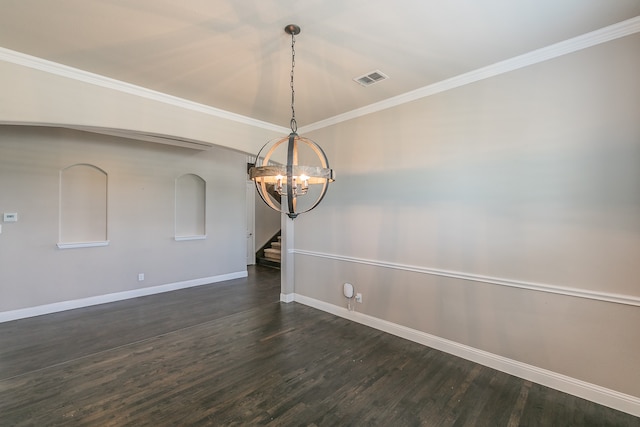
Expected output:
(287, 298)
(601, 395)
(39, 310)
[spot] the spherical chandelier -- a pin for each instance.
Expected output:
(304, 177)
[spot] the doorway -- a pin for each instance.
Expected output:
(251, 223)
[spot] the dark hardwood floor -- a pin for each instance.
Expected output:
(230, 354)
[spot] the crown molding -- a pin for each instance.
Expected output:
(603, 35)
(55, 68)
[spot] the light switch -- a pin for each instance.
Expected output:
(10, 217)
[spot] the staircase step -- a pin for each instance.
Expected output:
(273, 263)
(269, 255)
(272, 253)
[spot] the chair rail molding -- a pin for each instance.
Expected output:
(540, 287)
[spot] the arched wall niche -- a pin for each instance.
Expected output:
(83, 206)
(190, 207)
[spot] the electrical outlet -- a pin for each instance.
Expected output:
(359, 298)
(140, 277)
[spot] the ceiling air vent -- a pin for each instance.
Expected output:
(371, 78)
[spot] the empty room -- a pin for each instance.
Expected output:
(320, 213)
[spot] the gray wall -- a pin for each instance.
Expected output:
(141, 215)
(527, 178)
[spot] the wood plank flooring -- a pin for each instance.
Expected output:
(230, 354)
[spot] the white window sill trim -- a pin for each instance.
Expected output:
(185, 238)
(82, 245)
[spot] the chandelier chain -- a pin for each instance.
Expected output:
(281, 185)
(294, 125)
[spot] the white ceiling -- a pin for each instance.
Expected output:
(234, 54)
